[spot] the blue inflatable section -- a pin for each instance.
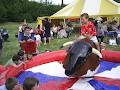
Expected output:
(104, 65)
(101, 86)
(43, 78)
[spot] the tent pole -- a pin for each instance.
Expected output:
(64, 22)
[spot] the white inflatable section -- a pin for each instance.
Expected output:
(93, 8)
(114, 73)
(56, 69)
(82, 85)
(53, 69)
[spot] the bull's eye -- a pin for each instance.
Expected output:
(81, 59)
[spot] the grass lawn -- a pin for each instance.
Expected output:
(11, 47)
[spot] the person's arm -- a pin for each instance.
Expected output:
(42, 29)
(20, 36)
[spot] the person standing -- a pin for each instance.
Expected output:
(55, 31)
(39, 31)
(100, 32)
(47, 35)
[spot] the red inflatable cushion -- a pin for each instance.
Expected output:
(2, 69)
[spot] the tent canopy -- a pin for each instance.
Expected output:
(92, 7)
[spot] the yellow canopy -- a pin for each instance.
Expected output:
(92, 7)
(39, 20)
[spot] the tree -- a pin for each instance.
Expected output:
(46, 2)
(118, 1)
(41, 1)
(3, 13)
(18, 10)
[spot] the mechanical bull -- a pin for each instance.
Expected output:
(82, 59)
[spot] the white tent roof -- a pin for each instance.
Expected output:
(92, 7)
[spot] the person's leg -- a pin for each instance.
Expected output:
(94, 39)
(98, 38)
(42, 38)
(67, 34)
(49, 39)
(0, 52)
(102, 38)
(98, 46)
(53, 34)
(45, 39)
(47, 43)
(56, 35)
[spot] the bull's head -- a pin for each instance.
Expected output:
(77, 56)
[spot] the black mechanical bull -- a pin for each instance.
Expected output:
(81, 59)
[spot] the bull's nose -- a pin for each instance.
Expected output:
(68, 73)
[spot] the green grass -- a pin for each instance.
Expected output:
(110, 47)
(11, 47)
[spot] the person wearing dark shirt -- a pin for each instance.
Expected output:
(47, 35)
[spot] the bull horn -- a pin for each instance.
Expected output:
(71, 42)
(68, 43)
(95, 51)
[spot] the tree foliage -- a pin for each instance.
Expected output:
(18, 10)
(117, 1)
